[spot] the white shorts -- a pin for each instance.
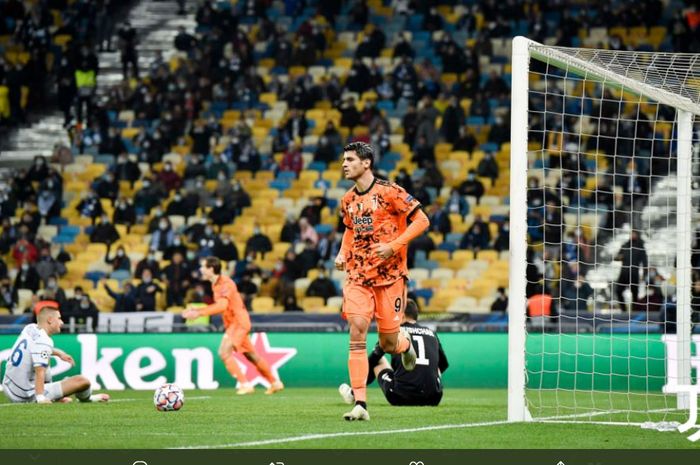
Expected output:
(52, 391)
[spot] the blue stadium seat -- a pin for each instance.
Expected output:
(386, 165)
(489, 147)
(317, 166)
(120, 275)
(449, 246)
(279, 184)
(453, 237)
(427, 294)
(59, 239)
(69, 230)
(324, 228)
(94, 276)
(286, 176)
(58, 221)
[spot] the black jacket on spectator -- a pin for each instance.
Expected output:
(321, 287)
(226, 250)
(27, 279)
(104, 233)
(123, 301)
(146, 296)
(258, 243)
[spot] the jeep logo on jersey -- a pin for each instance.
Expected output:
(362, 220)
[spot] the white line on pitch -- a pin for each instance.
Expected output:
(113, 401)
(336, 435)
(307, 437)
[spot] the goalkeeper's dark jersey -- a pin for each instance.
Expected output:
(431, 361)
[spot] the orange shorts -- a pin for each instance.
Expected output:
(385, 303)
(240, 340)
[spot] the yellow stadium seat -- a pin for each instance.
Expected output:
(312, 304)
(488, 255)
(268, 97)
(263, 304)
(439, 255)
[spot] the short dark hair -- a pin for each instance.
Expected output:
(363, 150)
(411, 310)
(213, 263)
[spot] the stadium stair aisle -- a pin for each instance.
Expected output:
(156, 24)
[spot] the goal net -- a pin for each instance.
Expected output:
(603, 150)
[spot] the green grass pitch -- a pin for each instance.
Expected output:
(304, 419)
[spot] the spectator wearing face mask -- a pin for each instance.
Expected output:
(107, 187)
(177, 280)
(177, 206)
(38, 171)
(169, 178)
(126, 169)
(48, 202)
(258, 243)
(58, 294)
(457, 204)
(27, 278)
(124, 213)
(502, 241)
(198, 295)
(163, 237)
(322, 286)
(223, 189)
(147, 197)
(83, 309)
(239, 197)
(217, 167)
(90, 206)
(207, 242)
(472, 186)
(124, 301)
(177, 246)
(104, 232)
(146, 293)
(120, 261)
(226, 250)
(8, 295)
(488, 168)
(24, 251)
(149, 263)
(48, 266)
(221, 214)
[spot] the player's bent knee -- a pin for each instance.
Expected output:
(82, 382)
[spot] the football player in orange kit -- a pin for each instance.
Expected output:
(376, 214)
(228, 301)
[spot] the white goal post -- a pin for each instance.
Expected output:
(601, 233)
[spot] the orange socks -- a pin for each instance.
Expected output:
(264, 369)
(358, 368)
(235, 371)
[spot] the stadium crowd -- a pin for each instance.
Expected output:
(230, 148)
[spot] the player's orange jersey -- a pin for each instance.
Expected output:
(235, 313)
(378, 215)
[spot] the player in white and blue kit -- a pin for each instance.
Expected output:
(28, 372)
